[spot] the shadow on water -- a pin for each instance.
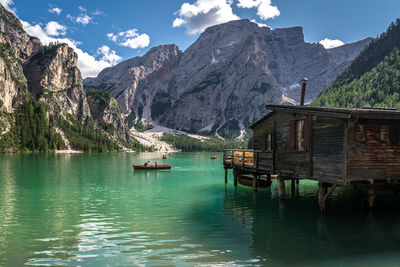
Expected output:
(294, 232)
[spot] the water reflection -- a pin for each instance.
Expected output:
(7, 204)
(94, 210)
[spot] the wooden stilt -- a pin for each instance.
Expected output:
(235, 177)
(292, 187)
(371, 197)
(268, 178)
(321, 196)
(226, 175)
(281, 188)
(297, 181)
(255, 182)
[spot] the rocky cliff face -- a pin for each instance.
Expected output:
(134, 82)
(54, 78)
(222, 82)
(108, 114)
(16, 47)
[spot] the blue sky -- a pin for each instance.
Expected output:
(106, 32)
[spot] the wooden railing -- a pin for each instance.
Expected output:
(245, 157)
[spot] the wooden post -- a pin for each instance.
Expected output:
(292, 187)
(226, 175)
(255, 182)
(371, 197)
(243, 161)
(268, 178)
(235, 177)
(297, 181)
(269, 182)
(321, 196)
(281, 188)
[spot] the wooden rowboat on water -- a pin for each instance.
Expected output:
(214, 157)
(151, 167)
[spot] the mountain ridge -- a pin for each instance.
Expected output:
(225, 77)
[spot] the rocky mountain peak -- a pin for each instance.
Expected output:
(53, 75)
(21, 44)
(222, 82)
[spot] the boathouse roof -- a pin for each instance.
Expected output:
(345, 113)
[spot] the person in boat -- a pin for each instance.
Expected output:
(146, 164)
(156, 164)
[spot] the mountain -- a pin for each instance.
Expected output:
(373, 79)
(42, 102)
(135, 81)
(223, 80)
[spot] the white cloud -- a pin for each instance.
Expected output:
(53, 28)
(84, 19)
(82, 9)
(329, 43)
(55, 10)
(178, 22)
(88, 64)
(130, 38)
(7, 5)
(112, 37)
(248, 3)
(204, 13)
(108, 55)
(98, 12)
(261, 25)
(265, 9)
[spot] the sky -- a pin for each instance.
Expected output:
(104, 33)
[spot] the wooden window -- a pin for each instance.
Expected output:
(359, 132)
(307, 133)
(384, 133)
(264, 143)
(292, 137)
(300, 135)
(268, 142)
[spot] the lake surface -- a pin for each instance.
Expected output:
(94, 210)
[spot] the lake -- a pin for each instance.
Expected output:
(95, 210)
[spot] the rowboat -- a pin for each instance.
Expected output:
(214, 157)
(151, 167)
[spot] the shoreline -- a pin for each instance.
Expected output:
(69, 151)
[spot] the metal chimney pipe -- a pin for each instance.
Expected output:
(303, 90)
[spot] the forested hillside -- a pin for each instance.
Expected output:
(373, 79)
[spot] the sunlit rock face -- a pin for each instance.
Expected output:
(53, 77)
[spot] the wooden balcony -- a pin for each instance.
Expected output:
(249, 160)
(242, 158)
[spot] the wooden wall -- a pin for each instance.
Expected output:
(288, 162)
(328, 155)
(335, 156)
(324, 161)
(259, 131)
(265, 158)
(373, 158)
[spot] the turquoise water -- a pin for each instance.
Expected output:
(94, 210)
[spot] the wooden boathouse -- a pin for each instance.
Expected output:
(334, 146)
